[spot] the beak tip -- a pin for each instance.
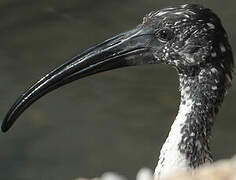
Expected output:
(5, 126)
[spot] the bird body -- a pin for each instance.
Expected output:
(189, 38)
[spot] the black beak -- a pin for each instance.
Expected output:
(126, 49)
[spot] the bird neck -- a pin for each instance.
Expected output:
(187, 145)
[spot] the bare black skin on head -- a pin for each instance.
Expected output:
(187, 37)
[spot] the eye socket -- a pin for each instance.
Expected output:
(165, 34)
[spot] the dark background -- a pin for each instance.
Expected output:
(114, 121)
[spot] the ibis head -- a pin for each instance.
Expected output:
(187, 37)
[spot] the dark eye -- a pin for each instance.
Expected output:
(165, 35)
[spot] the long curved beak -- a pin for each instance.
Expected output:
(126, 49)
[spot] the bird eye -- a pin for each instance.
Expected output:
(164, 35)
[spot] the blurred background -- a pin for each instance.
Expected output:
(114, 121)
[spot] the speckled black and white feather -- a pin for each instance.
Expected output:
(201, 53)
